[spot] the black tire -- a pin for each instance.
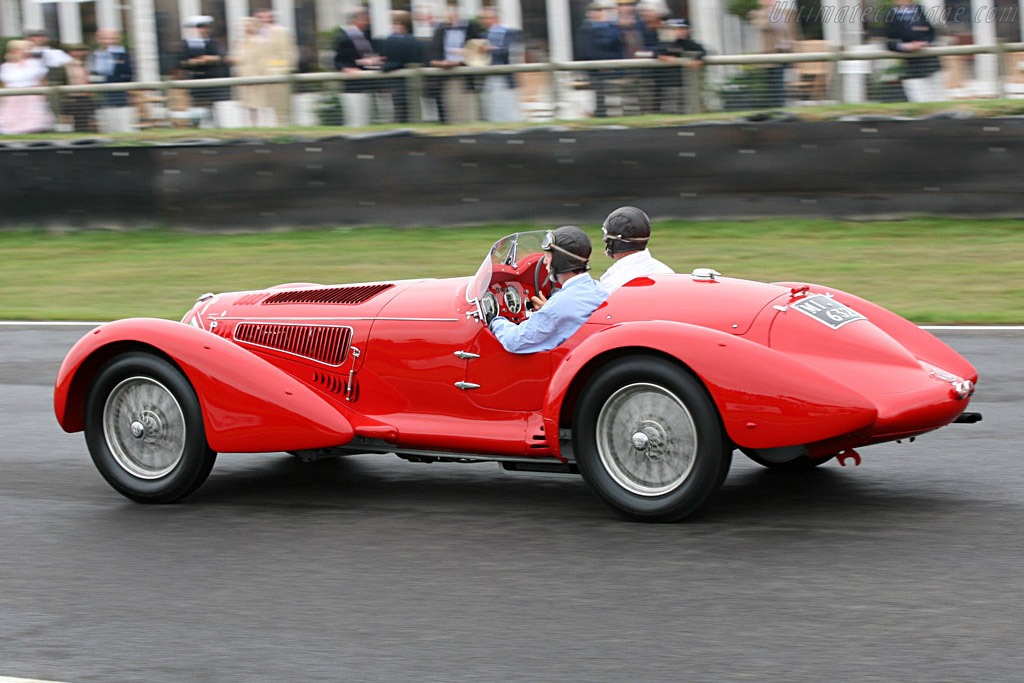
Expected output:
(801, 463)
(648, 440)
(144, 429)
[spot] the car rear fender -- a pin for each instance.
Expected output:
(248, 404)
(765, 399)
(922, 344)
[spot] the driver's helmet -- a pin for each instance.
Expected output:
(626, 229)
(570, 250)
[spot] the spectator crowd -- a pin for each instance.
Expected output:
(609, 31)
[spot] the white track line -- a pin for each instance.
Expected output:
(5, 679)
(37, 323)
(972, 328)
(957, 328)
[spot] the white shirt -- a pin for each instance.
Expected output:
(54, 58)
(637, 264)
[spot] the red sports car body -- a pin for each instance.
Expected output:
(647, 400)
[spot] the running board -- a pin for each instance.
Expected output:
(546, 467)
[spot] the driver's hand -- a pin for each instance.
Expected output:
(538, 301)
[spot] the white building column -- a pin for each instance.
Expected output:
(108, 14)
(983, 29)
(146, 57)
(380, 18)
(559, 31)
(186, 9)
(511, 13)
(235, 11)
(10, 18)
(469, 8)
(833, 21)
(934, 10)
(69, 18)
(852, 73)
(32, 15)
(328, 15)
(284, 13)
(708, 29)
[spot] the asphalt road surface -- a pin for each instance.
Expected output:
(907, 568)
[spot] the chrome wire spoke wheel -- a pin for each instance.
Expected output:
(144, 427)
(646, 439)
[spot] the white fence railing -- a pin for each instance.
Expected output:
(541, 91)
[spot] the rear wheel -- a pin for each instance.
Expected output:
(144, 429)
(648, 440)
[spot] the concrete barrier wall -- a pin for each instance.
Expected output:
(859, 169)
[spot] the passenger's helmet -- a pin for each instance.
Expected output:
(570, 250)
(626, 229)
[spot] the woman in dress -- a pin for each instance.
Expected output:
(21, 114)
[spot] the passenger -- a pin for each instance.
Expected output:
(626, 232)
(567, 257)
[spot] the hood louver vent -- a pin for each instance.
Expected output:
(330, 295)
(325, 344)
(249, 299)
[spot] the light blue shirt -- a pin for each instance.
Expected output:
(560, 317)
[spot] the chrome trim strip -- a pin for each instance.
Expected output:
(334, 318)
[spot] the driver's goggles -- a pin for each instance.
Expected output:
(605, 237)
(549, 239)
(548, 244)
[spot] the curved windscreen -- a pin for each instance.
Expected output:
(507, 251)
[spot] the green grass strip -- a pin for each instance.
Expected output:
(929, 270)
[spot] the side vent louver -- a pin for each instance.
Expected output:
(356, 294)
(332, 383)
(327, 344)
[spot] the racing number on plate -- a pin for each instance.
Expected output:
(827, 310)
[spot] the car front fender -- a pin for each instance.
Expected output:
(765, 399)
(248, 404)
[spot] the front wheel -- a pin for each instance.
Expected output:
(144, 429)
(648, 440)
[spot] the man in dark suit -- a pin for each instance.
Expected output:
(599, 39)
(908, 30)
(401, 49)
(454, 95)
(672, 92)
(354, 51)
(202, 56)
(111, 63)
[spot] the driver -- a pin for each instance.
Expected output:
(567, 258)
(626, 232)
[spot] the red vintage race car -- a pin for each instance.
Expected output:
(647, 400)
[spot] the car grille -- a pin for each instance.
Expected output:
(327, 344)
